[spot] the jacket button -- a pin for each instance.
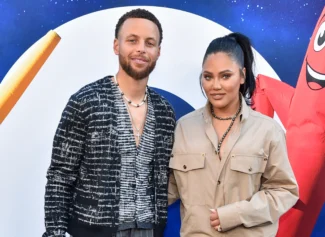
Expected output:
(250, 169)
(219, 182)
(184, 167)
(265, 158)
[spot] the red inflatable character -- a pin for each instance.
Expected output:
(302, 112)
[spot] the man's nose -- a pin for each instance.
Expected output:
(141, 47)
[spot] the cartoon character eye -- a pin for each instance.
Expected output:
(319, 42)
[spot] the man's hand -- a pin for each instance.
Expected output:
(214, 220)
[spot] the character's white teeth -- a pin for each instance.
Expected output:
(314, 74)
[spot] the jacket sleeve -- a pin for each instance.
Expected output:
(173, 194)
(67, 151)
(278, 192)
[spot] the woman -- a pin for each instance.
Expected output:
(230, 166)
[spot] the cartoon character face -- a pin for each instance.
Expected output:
(315, 57)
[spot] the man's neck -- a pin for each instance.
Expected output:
(132, 88)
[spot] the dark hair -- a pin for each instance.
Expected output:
(139, 13)
(239, 47)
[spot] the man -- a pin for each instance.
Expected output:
(109, 167)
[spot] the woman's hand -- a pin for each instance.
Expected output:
(214, 220)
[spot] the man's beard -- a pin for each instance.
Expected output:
(137, 75)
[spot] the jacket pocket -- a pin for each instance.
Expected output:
(85, 201)
(244, 177)
(187, 162)
(248, 164)
(190, 175)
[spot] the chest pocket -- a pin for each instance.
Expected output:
(189, 174)
(248, 164)
(245, 174)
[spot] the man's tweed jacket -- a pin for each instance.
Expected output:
(83, 188)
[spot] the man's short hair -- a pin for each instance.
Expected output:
(139, 13)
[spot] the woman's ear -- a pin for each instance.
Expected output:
(243, 78)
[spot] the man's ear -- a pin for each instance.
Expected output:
(116, 47)
(159, 51)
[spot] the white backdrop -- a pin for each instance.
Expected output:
(83, 55)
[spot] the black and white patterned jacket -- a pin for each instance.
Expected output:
(83, 188)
